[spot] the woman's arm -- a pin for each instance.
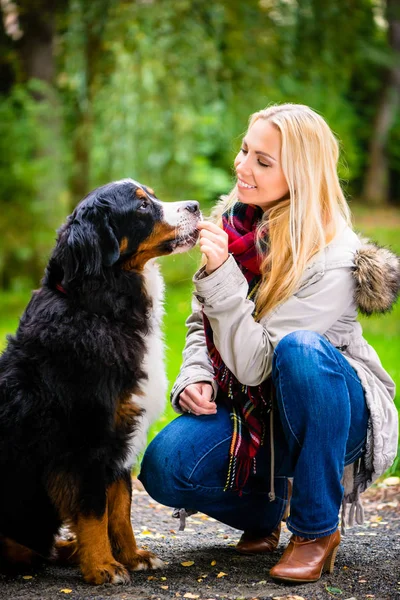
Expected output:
(196, 366)
(245, 345)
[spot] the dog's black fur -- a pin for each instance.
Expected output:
(67, 374)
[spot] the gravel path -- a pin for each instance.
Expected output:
(367, 565)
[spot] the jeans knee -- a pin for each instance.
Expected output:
(297, 352)
(156, 471)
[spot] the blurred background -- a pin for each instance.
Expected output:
(161, 91)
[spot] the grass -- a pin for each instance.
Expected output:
(382, 332)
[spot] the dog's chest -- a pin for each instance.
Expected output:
(153, 393)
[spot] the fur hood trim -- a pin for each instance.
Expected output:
(377, 276)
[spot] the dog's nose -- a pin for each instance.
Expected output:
(192, 206)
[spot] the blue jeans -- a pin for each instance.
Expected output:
(320, 426)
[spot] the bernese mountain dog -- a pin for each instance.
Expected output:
(83, 378)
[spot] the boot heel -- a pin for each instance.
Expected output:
(330, 561)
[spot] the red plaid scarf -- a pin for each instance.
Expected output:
(248, 404)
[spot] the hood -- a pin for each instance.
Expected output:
(377, 275)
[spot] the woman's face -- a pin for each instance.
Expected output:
(260, 179)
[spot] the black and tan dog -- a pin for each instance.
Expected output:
(83, 378)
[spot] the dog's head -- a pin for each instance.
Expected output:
(122, 225)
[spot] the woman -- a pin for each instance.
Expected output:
(277, 381)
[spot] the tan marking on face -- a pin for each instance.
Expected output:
(162, 232)
(151, 191)
(123, 245)
(140, 193)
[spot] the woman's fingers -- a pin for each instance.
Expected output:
(196, 399)
(214, 244)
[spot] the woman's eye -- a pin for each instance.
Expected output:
(263, 164)
(243, 150)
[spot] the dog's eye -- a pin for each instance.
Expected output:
(143, 205)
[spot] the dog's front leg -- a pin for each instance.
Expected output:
(96, 559)
(121, 534)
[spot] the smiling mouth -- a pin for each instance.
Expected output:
(245, 185)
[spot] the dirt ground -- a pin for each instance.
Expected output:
(201, 563)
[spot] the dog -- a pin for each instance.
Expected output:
(83, 378)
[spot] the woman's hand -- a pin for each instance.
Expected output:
(196, 399)
(214, 244)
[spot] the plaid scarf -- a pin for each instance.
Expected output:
(248, 404)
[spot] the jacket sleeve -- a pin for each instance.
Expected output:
(196, 365)
(247, 346)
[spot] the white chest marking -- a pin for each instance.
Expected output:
(155, 388)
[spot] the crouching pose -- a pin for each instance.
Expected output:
(277, 381)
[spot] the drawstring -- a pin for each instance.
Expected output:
(271, 494)
(182, 514)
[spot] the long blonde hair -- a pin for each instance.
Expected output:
(304, 224)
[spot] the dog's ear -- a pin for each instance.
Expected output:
(90, 244)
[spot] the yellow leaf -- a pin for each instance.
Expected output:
(27, 577)
(213, 563)
(164, 587)
(188, 563)
(190, 595)
(392, 481)
(163, 578)
(66, 591)
(221, 574)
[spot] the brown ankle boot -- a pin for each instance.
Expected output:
(304, 560)
(252, 544)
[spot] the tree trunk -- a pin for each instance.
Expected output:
(376, 189)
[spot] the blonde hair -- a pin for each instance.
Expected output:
(304, 224)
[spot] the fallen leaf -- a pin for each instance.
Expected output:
(392, 481)
(262, 582)
(151, 577)
(362, 581)
(146, 532)
(27, 577)
(200, 580)
(163, 578)
(333, 590)
(164, 587)
(188, 563)
(221, 574)
(66, 591)
(190, 595)
(213, 563)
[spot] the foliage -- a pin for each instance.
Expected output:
(161, 91)
(31, 201)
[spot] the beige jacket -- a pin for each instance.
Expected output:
(348, 274)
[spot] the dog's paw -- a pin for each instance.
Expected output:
(144, 560)
(112, 572)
